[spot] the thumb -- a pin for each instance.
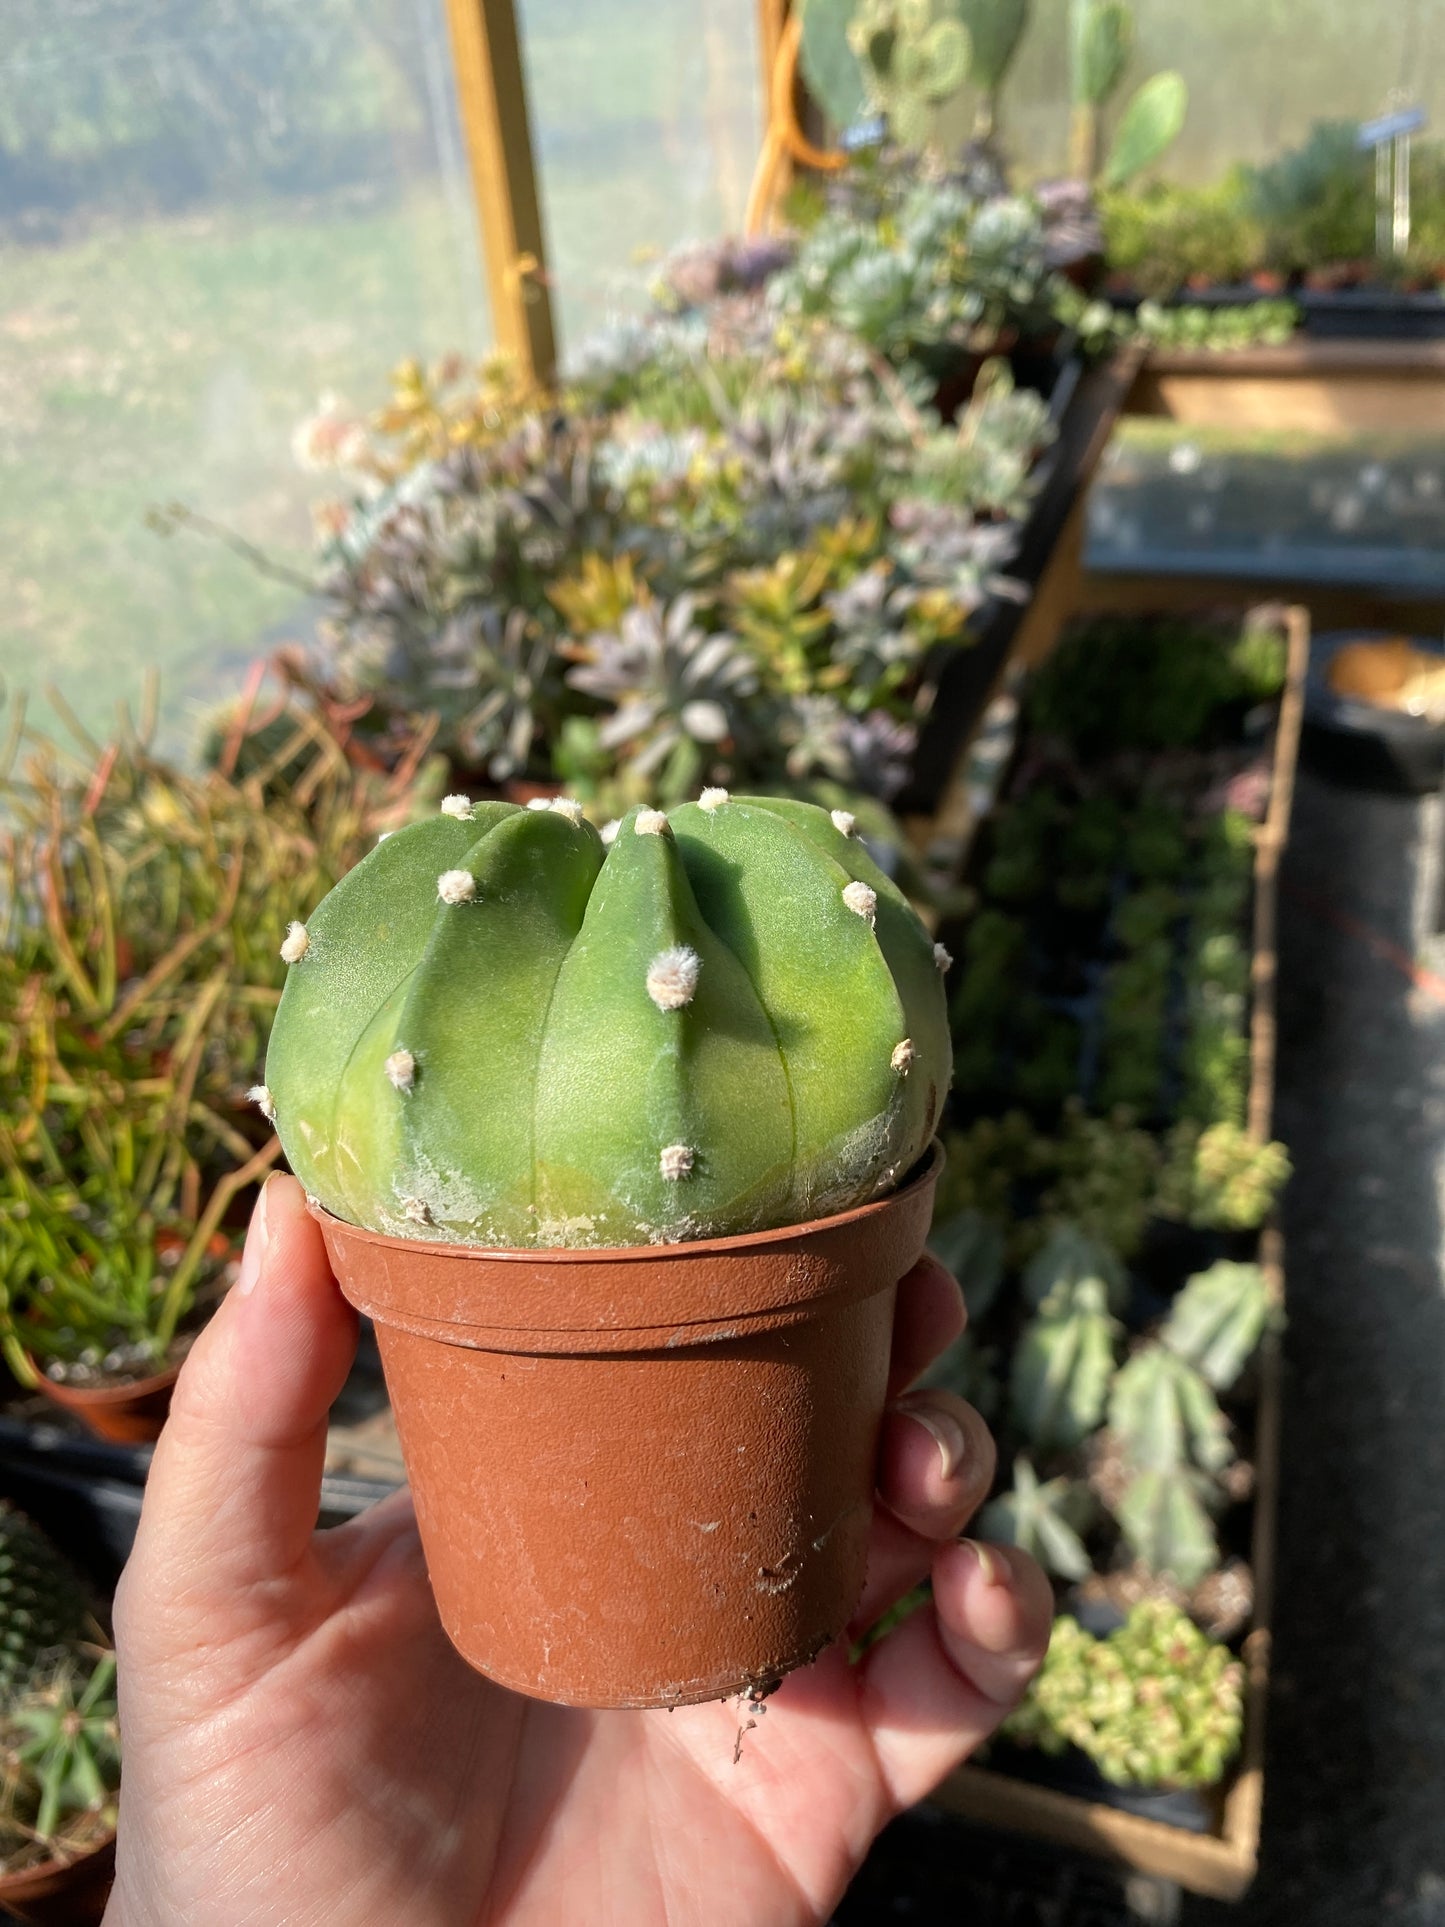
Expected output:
(234, 1488)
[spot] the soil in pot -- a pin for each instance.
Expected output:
(643, 1476)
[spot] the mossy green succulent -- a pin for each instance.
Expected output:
(498, 1030)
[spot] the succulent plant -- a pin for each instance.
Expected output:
(1165, 1522)
(1165, 1416)
(1217, 1321)
(972, 1248)
(914, 55)
(1103, 1176)
(1064, 1363)
(496, 1036)
(1156, 1704)
(995, 29)
(1221, 1179)
(1151, 123)
(1070, 1257)
(65, 1738)
(675, 692)
(42, 1604)
(1101, 40)
(1043, 1518)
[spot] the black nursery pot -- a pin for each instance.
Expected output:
(1073, 1772)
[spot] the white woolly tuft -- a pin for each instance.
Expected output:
(540, 803)
(902, 1058)
(384, 834)
(459, 807)
(456, 886)
(676, 1162)
(711, 800)
(650, 823)
(672, 977)
(295, 943)
(942, 957)
(417, 1209)
(861, 900)
(609, 830)
(844, 822)
(400, 1067)
(569, 807)
(260, 1096)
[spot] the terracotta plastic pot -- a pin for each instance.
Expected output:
(643, 1476)
(129, 1414)
(69, 1893)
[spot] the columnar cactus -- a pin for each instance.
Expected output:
(503, 1032)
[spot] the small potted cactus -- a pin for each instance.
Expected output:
(624, 1147)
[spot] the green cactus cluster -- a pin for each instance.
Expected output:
(1063, 1363)
(43, 1605)
(1043, 1517)
(500, 1030)
(1156, 1704)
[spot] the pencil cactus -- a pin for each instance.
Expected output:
(503, 1033)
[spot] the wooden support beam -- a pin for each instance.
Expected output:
(1319, 386)
(492, 98)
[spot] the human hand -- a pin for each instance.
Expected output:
(303, 1745)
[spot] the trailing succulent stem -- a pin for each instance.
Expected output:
(503, 1033)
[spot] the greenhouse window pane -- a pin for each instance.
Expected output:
(212, 212)
(646, 117)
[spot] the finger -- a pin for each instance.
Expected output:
(234, 1488)
(928, 1317)
(936, 1462)
(935, 1689)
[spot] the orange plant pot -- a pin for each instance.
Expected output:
(643, 1476)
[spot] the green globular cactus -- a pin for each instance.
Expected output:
(914, 55)
(498, 1031)
(1217, 1321)
(1063, 1363)
(1156, 1704)
(1044, 1518)
(42, 1604)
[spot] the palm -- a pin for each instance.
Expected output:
(309, 1747)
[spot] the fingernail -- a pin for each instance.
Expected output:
(993, 1569)
(253, 1257)
(945, 1431)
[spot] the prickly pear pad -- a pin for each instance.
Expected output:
(501, 1034)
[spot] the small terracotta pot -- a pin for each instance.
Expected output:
(643, 1476)
(128, 1414)
(62, 1893)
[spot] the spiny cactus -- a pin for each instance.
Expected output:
(1217, 1321)
(1101, 40)
(42, 1603)
(1059, 1383)
(914, 55)
(1155, 1704)
(497, 1037)
(1044, 1518)
(65, 1740)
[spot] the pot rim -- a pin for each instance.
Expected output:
(631, 1298)
(134, 1388)
(922, 1173)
